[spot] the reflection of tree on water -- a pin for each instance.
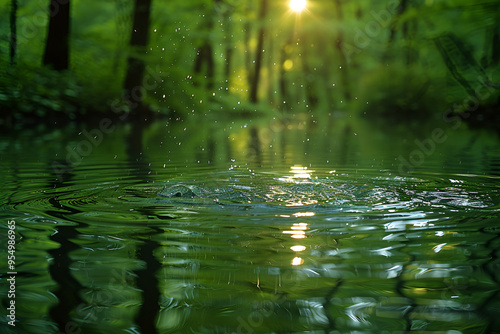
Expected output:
(254, 145)
(69, 289)
(146, 280)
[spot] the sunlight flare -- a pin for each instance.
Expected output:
(297, 5)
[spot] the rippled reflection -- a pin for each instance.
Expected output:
(246, 252)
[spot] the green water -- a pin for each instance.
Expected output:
(251, 227)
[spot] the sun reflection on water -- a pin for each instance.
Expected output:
(298, 231)
(300, 175)
(298, 248)
(297, 261)
(300, 172)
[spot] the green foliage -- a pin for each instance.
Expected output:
(39, 92)
(399, 93)
(400, 61)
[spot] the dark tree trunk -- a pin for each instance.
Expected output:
(405, 29)
(282, 73)
(402, 8)
(258, 57)
(205, 56)
(248, 59)
(138, 42)
(205, 53)
(57, 44)
(228, 47)
(122, 26)
(343, 60)
(227, 68)
(13, 31)
(495, 52)
(271, 76)
(310, 76)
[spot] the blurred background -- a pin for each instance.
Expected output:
(393, 61)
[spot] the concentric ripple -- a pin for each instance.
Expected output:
(261, 252)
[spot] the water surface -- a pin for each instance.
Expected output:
(284, 229)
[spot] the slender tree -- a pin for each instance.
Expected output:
(495, 42)
(13, 31)
(342, 58)
(282, 81)
(258, 56)
(247, 28)
(57, 43)
(205, 53)
(406, 30)
(138, 42)
(403, 6)
(122, 26)
(309, 75)
(226, 12)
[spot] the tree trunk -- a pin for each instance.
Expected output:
(247, 28)
(402, 7)
(205, 55)
(258, 57)
(282, 73)
(138, 42)
(57, 43)
(228, 47)
(310, 77)
(122, 26)
(495, 52)
(342, 58)
(227, 68)
(13, 31)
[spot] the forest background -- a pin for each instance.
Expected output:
(389, 61)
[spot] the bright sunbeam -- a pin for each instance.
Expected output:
(297, 5)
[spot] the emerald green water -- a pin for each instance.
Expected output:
(252, 227)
